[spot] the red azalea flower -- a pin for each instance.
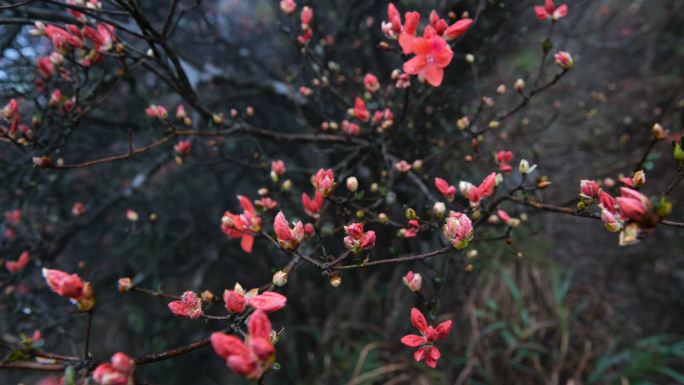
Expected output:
(550, 11)
(242, 225)
(425, 341)
(324, 181)
(433, 54)
(312, 207)
(253, 356)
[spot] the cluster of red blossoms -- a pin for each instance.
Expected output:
(632, 214)
(119, 371)
(253, 356)
(473, 193)
(432, 52)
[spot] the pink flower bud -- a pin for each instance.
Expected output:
(610, 221)
(402, 166)
(78, 209)
(309, 229)
(458, 229)
(183, 147)
(288, 238)
(288, 6)
(357, 240)
(324, 181)
(589, 189)
(55, 98)
(360, 111)
(306, 16)
(352, 184)
(190, 306)
(633, 204)
(607, 201)
(370, 82)
(564, 60)
(413, 281)
(234, 301)
(119, 372)
(156, 112)
(64, 284)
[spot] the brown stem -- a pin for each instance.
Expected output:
(165, 355)
(398, 259)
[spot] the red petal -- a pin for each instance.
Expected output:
(541, 12)
(412, 340)
(419, 354)
(415, 65)
(561, 11)
(246, 204)
(226, 345)
(434, 75)
(268, 301)
(418, 320)
(247, 243)
(259, 326)
(443, 329)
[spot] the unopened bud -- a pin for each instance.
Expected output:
(217, 118)
(42, 161)
(639, 178)
(678, 152)
(287, 185)
(383, 218)
(207, 296)
(335, 280)
(439, 208)
(124, 284)
(279, 278)
(519, 85)
(658, 132)
(352, 184)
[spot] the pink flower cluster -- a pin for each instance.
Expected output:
(357, 240)
(119, 371)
